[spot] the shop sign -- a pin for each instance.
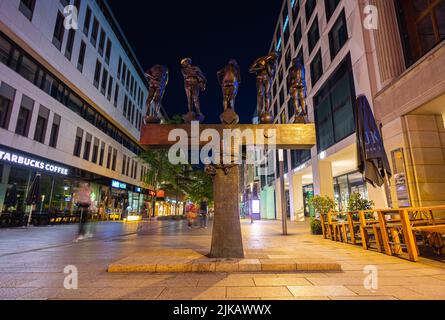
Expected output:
(118, 185)
(14, 158)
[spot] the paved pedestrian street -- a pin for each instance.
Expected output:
(32, 264)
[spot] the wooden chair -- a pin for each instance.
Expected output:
(325, 227)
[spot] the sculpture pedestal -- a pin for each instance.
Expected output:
(229, 117)
(227, 240)
(192, 116)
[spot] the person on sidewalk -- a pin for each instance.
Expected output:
(203, 211)
(191, 215)
(84, 204)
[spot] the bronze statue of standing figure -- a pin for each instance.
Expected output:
(158, 80)
(229, 78)
(194, 82)
(296, 83)
(265, 68)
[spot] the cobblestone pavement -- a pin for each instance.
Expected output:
(32, 266)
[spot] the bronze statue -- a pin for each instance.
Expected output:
(229, 78)
(296, 83)
(158, 77)
(265, 68)
(194, 82)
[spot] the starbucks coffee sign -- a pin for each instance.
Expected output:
(13, 158)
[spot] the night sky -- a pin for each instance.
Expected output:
(210, 32)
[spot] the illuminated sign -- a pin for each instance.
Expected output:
(118, 185)
(138, 190)
(32, 163)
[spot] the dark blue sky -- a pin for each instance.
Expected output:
(210, 32)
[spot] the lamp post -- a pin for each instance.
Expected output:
(282, 189)
(251, 204)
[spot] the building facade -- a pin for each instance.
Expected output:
(337, 51)
(72, 100)
(410, 97)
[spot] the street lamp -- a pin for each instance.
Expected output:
(282, 189)
(251, 205)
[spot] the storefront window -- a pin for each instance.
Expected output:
(346, 185)
(21, 178)
(62, 200)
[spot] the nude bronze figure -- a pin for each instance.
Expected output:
(158, 78)
(296, 83)
(229, 78)
(194, 82)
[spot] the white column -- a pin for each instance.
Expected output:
(297, 197)
(323, 179)
(278, 199)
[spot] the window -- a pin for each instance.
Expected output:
(422, 25)
(110, 151)
(41, 125)
(28, 69)
(24, 117)
(102, 154)
(5, 50)
(95, 32)
(330, 6)
(116, 94)
(119, 68)
(87, 149)
(7, 95)
(124, 164)
(27, 8)
(59, 31)
(113, 167)
(110, 87)
(108, 52)
(334, 107)
(338, 35)
(124, 110)
(78, 142)
(70, 43)
(316, 68)
(81, 59)
(97, 74)
(54, 131)
(313, 35)
(86, 26)
(101, 42)
(124, 74)
(310, 8)
(104, 81)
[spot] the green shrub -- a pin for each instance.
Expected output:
(358, 203)
(322, 205)
(316, 226)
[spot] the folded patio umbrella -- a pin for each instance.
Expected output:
(33, 196)
(372, 158)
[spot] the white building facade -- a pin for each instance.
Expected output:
(72, 99)
(337, 51)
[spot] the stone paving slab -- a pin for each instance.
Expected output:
(186, 261)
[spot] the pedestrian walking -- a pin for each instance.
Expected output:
(203, 211)
(191, 215)
(84, 204)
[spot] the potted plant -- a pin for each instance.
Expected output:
(321, 205)
(357, 203)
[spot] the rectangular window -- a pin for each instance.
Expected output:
(78, 142)
(101, 42)
(124, 164)
(5, 50)
(338, 35)
(113, 166)
(7, 96)
(28, 69)
(104, 81)
(116, 95)
(313, 35)
(124, 110)
(330, 6)
(54, 137)
(124, 74)
(316, 68)
(119, 68)
(94, 32)
(110, 152)
(95, 150)
(59, 31)
(422, 27)
(27, 8)
(87, 149)
(102, 154)
(87, 23)
(69, 44)
(297, 36)
(97, 74)
(41, 125)
(24, 117)
(108, 52)
(295, 10)
(310, 8)
(81, 59)
(334, 107)
(110, 87)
